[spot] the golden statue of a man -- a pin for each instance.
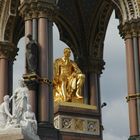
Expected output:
(68, 78)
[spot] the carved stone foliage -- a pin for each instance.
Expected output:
(39, 8)
(8, 50)
(130, 29)
(77, 124)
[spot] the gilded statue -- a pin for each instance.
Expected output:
(68, 79)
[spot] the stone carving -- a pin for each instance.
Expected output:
(92, 126)
(68, 79)
(29, 124)
(5, 115)
(66, 123)
(31, 55)
(20, 100)
(56, 123)
(77, 124)
(22, 117)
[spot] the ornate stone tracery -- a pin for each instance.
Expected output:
(8, 14)
(129, 9)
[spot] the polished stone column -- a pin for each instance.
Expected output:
(28, 28)
(131, 86)
(139, 47)
(93, 89)
(44, 109)
(35, 28)
(86, 89)
(137, 74)
(50, 69)
(3, 76)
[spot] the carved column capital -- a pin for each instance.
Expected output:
(36, 9)
(8, 50)
(130, 29)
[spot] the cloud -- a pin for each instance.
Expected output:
(114, 85)
(115, 118)
(108, 136)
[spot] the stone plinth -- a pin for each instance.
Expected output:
(11, 134)
(77, 121)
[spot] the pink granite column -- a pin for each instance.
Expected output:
(32, 92)
(28, 28)
(93, 89)
(131, 87)
(3, 77)
(43, 69)
(139, 47)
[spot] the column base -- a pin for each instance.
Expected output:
(47, 131)
(134, 138)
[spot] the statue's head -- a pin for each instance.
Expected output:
(6, 98)
(29, 36)
(67, 52)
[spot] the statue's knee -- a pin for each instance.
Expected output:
(81, 76)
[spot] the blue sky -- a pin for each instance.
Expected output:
(113, 80)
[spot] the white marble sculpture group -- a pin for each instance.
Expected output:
(21, 117)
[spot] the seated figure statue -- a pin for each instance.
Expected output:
(29, 124)
(5, 115)
(22, 118)
(68, 78)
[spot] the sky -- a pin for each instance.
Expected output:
(113, 80)
(114, 85)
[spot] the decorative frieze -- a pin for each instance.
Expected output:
(77, 124)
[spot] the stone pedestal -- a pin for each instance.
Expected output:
(17, 134)
(12, 134)
(77, 121)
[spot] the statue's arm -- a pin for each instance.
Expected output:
(14, 94)
(24, 117)
(6, 109)
(56, 67)
(76, 68)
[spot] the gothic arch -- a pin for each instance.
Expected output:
(128, 9)
(8, 19)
